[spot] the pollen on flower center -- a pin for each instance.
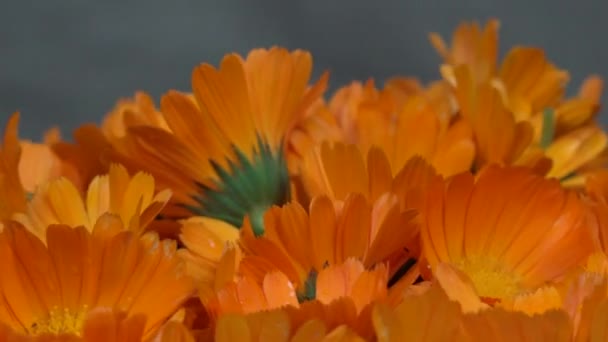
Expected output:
(60, 321)
(490, 278)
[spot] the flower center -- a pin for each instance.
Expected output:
(60, 321)
(492, 280)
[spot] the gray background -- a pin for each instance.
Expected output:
(66, 62)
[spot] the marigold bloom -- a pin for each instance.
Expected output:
(430, 316)
(206, 240)
(370, 174)
(471, 45)
(301, 244)
(137, 111)
(100, 324)
(531, 90)
(12, 193)
(277, 326)
(39, 163)
(225, 157)
(402, 127)
(236, 290)
(501, 325)
(79, 271)
(505, 230)
(130, 198)
(500, 138)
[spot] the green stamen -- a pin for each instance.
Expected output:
(246, 187)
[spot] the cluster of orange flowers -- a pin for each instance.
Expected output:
(256, 208)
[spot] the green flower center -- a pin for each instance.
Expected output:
(246, 187)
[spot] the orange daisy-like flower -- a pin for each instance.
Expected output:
(403, 123)
(12, 193)
(239, 292)
(507, 230)
(39, 164)
(137, 111)
(279, 326)
(370, 174)
(301, 245)
(51, 289)
(132, 199)
(499, 137)
(531, 90)
(429, 316)
(225, 154)
(342, 296)
(596, 187)
(206, 240)
(100, 324)
(471, 45)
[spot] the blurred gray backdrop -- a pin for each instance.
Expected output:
(65, 62)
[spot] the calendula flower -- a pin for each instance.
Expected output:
(499, 137)
(130, 198)
(301, 245)
(505, 230)
(100, 324)
(12, 193)
(244, 284)
(225, 157)
(174, 331)
(206, 240)
(87, 154)
(591, 310)
(531, 90)
(39, 163)
(429, 316)
(277, 326)
(370, 174)
(473, 46)
(52, 288)
(502, 325)
(403, 126)
(137, 111)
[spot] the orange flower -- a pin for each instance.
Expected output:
(234, 292)
(100, 325)
(137, 111)
(236, 289)
(52, 289)
(429, 316)
(499, 137)
(403, 126)
(531, 90)
(277, 326)
(322, 175)
(39, 164)
(318, 126)
(12, 193)
(301, 244)
(472, 46)
(507, 230)
(502, 325)
(224, 156)
(597, 192)
(88, 154)
(130, 198)
(592, 309)
(573, 151)
(174, 331)
(206, 240)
